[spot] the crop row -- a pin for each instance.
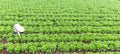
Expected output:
(27, 23)
(23, 14)
(66, 29)
(62, 38)
(42, 18)
(62, 46)
(61, 34)
(64, 23)
(87, 23)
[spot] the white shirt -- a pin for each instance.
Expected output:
(18, 28)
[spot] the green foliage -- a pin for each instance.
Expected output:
(60, 25)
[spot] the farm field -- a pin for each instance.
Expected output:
(60, 26)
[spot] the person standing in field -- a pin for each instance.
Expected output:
(18, 29)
